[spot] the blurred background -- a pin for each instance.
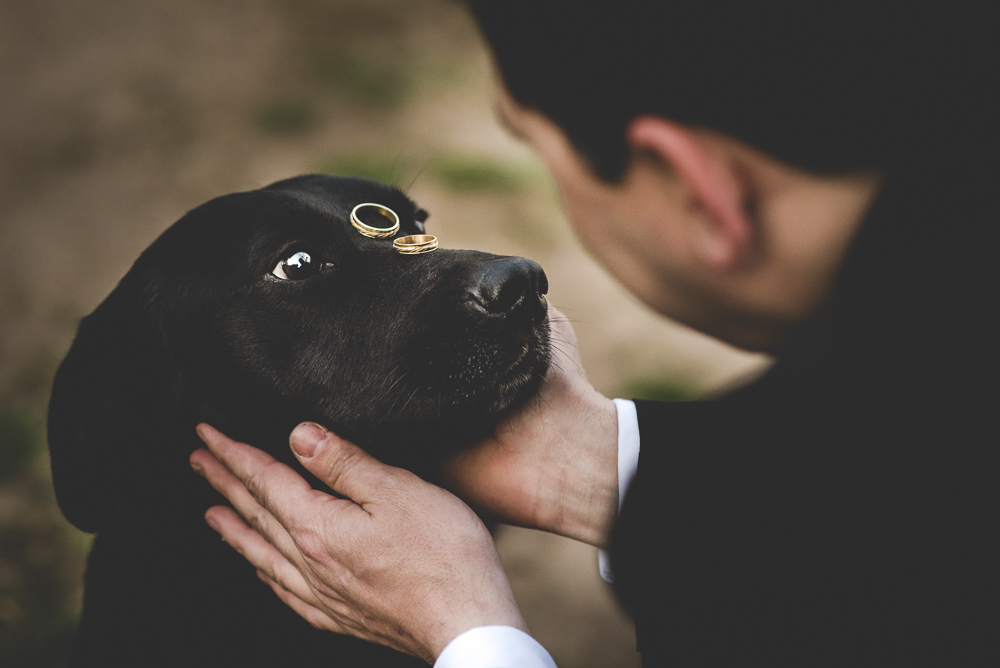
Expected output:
(117, 116)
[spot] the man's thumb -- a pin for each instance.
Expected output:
(346, 468)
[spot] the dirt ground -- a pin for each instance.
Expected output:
(117, 116)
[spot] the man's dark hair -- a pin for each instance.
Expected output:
(830, 87)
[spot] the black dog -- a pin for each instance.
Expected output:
(254, 312)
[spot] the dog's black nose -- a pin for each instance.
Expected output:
(503, 285)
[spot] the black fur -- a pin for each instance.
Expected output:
(406, 355)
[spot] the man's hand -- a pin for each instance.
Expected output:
(552, 465)
(398, 561)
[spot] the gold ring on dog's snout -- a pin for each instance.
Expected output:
(415, 243)
(375, 232)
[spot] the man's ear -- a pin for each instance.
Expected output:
(711, 181)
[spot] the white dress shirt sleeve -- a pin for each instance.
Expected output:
(494, 647)
(628, 462)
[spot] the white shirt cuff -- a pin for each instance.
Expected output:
(494, 647)
(628, 462)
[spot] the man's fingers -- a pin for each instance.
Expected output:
(311, 614)
(272, 566)
(345, 467)
(252, 466)
(273, 485)
(272, 497)
(229, 486)
(258, 551)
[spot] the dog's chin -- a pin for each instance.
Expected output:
(520, 381)
(469, 419)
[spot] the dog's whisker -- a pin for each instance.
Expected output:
(420, 172)
(556, 339)
(563, 315)
(391, 411)
(395, 171)
(412, 394)
(396, 382)
(563, 354)
(536, 404)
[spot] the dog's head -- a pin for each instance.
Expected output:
(261, 309)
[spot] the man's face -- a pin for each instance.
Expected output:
(620, 224)
(656, 232)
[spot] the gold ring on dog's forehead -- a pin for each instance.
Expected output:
(415, 243)
(375, 232)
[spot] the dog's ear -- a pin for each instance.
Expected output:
(109, 398)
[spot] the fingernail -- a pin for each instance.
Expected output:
(197, 468)
(306, 439)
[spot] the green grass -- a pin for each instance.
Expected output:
(380, 85)
(41, 555)
(468, 172)
(21, 441)
(381, 168)
(458, 172)
(659, 389)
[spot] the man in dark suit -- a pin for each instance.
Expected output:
(814, 182)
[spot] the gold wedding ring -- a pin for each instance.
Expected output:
(375, 232)
(415, 243)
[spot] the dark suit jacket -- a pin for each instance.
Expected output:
(842, 510)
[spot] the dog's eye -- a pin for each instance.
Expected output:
(297, 266)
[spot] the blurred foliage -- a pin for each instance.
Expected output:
(381, 168)
(286, 117)
(371, 83)
(41, 555)
(660, 389)
(29, 390)
(464, 172)
(19, 442)
(375, 53)
(357, 48)
(459, 172)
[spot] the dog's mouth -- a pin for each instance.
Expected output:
(522, 377)
(474, 378)
(522, 356)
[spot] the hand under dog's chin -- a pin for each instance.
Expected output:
(492, 382)
(434, 425)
